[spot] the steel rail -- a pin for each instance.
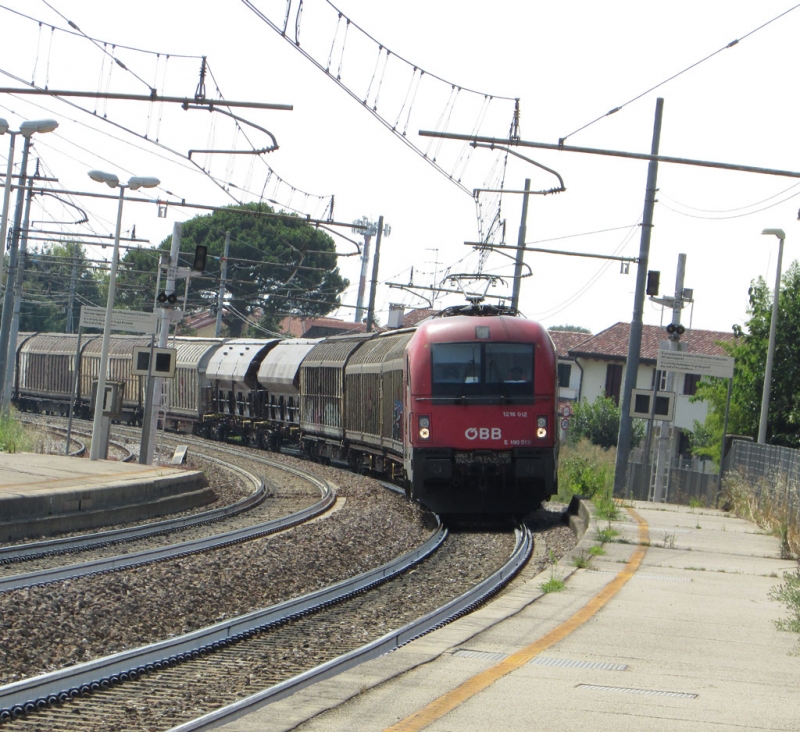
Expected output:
(28, 695)
(390, 642)
(68, 545)
(175, 551)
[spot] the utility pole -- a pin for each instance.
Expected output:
(222, 278)
(664, 439)
(362, 282)
(523, 229)
(13, 256)
(374, 285)
(71, 303)
(635, 338)
(367, 229)
(153, 396)
(12, 339)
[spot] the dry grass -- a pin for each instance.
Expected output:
(771, 504)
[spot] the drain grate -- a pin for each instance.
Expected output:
(543, 661)
(644, 692)
(569, 663)
(482, 655)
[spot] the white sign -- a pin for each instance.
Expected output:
(663, 409)
(695, 363)
(132, 321)
(163, 362)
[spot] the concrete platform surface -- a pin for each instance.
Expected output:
(44, 494)
(672, 630)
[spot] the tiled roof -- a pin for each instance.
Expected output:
(566, 340)
(612, 343)
(299, 327)
(412, 317)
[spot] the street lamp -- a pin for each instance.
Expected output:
(762, 425)
(112, 181)
(26, 129)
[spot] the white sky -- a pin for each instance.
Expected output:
(568, 62)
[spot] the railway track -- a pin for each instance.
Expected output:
(54, 559)
(217, 539)
(201, 679)
(221, 670)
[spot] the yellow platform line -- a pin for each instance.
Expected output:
(447, 702)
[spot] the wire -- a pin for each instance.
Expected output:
(733, 43)
(584, 289)
(734, 216)
(80, 33)
(661, 194)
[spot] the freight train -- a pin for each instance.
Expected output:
(461, 409)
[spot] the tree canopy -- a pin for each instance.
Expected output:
(750, 352)
(52, 272)
(277, 265)
(570, 328)
(598, 422)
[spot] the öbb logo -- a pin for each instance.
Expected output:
(484, 433)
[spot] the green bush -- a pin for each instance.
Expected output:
(789, 594)
(13, 435)
(598, 422)
(585, 469)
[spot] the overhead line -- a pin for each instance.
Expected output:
(185, 102)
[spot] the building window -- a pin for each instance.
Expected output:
(614, 381)
(564, 374)
(690, 382)
(662, 380)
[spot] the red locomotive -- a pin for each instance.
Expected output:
(481, 400)
(463, 409)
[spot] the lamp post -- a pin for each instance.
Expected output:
(762, 425)
(112, 181)
(26, 129)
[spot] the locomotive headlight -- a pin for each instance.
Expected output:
(424, 424)
(541, 427)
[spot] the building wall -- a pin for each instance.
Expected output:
(573, 389)
(594, 381)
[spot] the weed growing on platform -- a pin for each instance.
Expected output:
(582, 560)
(14, 437)
(555, 583)
(606, 508)
(596, 550)
(669, 540)
(767, 503)
(788, 592)
(607, 534)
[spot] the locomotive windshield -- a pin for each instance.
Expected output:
(501, 371)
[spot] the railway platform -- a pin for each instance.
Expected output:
(45, 494)
(672, 630)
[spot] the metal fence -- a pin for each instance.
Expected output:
(772, 473)
(686, 482)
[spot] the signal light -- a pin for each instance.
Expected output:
(676, 328)
(200, 253)
(653, 278)
(168, 299)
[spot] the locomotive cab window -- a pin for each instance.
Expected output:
(481, 371)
